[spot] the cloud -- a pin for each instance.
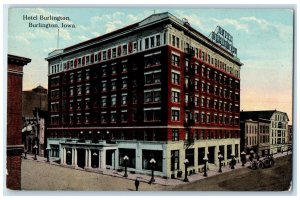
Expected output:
(113, 25)
(284, 32)
(19, 39)
(83, 38)
(230, 22)
(96, 34)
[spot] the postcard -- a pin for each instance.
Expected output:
(149, 99)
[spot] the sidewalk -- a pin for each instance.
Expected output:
(158, 180)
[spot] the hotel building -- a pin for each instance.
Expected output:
(154, 89)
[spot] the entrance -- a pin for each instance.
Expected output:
(69, 157)
(110, 158)
(81, 158)
(95, 158)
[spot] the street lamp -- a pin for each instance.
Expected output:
(35, 151)
(243, 158)
(152, 162)
(125, 163)
(220, 157)
(48, 154)
(205, 161)
(186, 162)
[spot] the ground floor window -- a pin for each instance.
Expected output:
(174, 160)
(211, 155)
(229, 151)
(201, 152)
(54, 151)
(148, 155)
(130, 153)
(221, 150)
(236, 150)
(189, 154)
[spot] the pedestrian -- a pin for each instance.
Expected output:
(137, 183)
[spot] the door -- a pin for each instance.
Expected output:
(81, 158)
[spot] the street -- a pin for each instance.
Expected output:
(43, 176)
(276, 178)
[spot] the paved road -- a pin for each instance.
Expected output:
(277, 178)
(42, 176)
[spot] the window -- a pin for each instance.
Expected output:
(175, 134)
(157, 40)
(175, 78)
(113, 84)
(113, 100)
(114, 52)
(87, 74)
(152, 42)
(78, 89)
(124, 50)
(124, 99)
(124, 115)
(152, 96)
(173, 40)
(189, 154)
(113, 117)
(152, 78)
(104, 86)
(104, 55)
(87, 89)
(103, 117)
(175, 115)
(196, 101)
(124, 67)
(202, 117)
(152, 115)
(113, 70)
(79, 76)
(147, 43)
(175, 96)
(174, 160)
(201, 154)
(104, 72)
(175, 60)
(156, 77)
(124, 83)
(196, 117)
(157, 96)
(71, 77)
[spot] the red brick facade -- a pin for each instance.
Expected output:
(14, 120)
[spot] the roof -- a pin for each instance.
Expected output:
(13, 59)
(255, 115)
(152, 19)
(40, 89)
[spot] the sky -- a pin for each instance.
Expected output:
(263, 38)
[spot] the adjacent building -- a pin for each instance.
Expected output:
(265, 132)
(14, 147)
(34, 115)
(154, 89)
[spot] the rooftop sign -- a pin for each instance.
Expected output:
(223, 38)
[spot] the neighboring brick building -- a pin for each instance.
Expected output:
(272, 131)
(14, 120)
(34, 115)
(154, 89)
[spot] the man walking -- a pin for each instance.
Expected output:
(137, 183)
